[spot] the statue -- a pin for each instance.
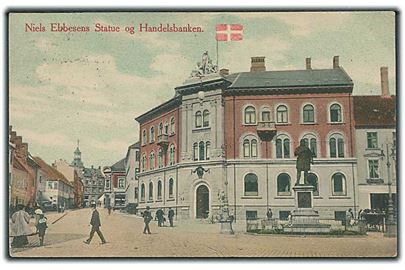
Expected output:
(200, 171)
(304, 161)
(204, 67)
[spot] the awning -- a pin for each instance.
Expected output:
(101, 199)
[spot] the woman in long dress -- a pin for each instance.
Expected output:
(19, 227)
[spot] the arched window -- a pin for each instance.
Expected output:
(159, 190)
(283, 184)
(171, 155)
(282, 114)
(171, 184)
(253, 148)
(283, 146)
(206, 118)
(313, 180)
(160, 158)
(166, 129)
(251, 185)
(160, 131)
(308, 114)
(250, 115)
(336, 146)
(143, 192)
(246, 148)
(144, 139)
(310, 142)
(201, 147)
(172, 126)
(250, 146)
(338, 184)
(195, 151)
(152, 161)
(143, 164)
(150, 193)
(265, 115)
(207, 150)
(198, 119)
(152, 135)
(335, 113)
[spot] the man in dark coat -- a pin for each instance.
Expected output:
(159, 216)
(147, 217)
(170, 215)
(304, 161)
(95, 226)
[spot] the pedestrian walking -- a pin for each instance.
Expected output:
(147, 217)
(41, 228)
(95, 226)
(20, 228)
(109, 209)
(269, 214)
(349, 217)
(170, 215)
(160, 217)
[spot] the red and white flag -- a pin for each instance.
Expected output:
(229, 32)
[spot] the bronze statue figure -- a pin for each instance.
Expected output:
(304, 161)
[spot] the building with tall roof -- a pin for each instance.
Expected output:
(93, 184)
(118, 184)
(375, 123)
(234, 135)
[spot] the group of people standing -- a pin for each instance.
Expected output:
(20, 229)
(159, 216)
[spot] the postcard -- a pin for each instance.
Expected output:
(202, 134)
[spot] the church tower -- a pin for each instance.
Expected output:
(77, 157)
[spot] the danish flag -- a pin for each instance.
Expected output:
(229, 32)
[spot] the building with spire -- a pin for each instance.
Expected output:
(77, 157)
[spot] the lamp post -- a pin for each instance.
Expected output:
(391, 226)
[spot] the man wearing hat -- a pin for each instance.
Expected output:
(147, 217)
(95, 225)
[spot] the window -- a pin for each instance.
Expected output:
(310, 142)
(283, 184)
(282, 114)
(121, 182)
(166, 130)
(283, 215)
(335, 113)
(143, 163)
(50, 185)
(373, 170)
(143, 192)
(338, 184)
(144, 140)
(372, 141)
(172, 126)
(340, 216)
(308, 114)
(171, 155)
(207, 150)
(336, 146)
(152, 161)
(171, 187)
(313, 180)
(282, 147)
(250, 115)
(206, 118)
(160, 131)
(150, 191)
(136, 155)
(251, 185)
(198, 119)
(250, 147)
(152, 135)
(160, 158)
(159, 190)
(107, 184)
(265, 115)
(136, 194)
(195, 151)
(201, 150)
(251, 215)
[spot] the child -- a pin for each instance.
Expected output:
(41, 227)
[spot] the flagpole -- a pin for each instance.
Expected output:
(217, 54)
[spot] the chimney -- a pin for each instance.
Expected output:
(22, 150)
(308, 63)
(258, 64)
(13, 136)
(18, 141)
(336, 61)
(385, 91)
(224, 72)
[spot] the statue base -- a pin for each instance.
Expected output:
(226, 227)
(304, 219)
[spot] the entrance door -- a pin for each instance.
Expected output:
(202, 201)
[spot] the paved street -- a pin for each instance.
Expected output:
(188, 239)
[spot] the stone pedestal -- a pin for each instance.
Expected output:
(304, 219)
(226, 221)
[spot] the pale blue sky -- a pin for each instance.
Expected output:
(91, 86)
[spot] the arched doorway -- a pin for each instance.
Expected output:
(202, 201)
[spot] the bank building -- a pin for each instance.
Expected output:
(233, 135)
